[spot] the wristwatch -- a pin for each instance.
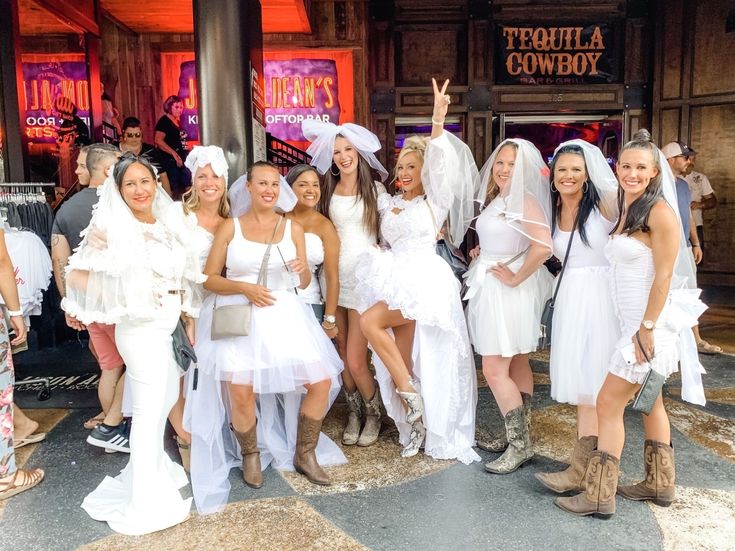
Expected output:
(330, 319)
(648, 324)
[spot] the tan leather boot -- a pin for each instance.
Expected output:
(251, 472)
(304, 460)
(373, 414)
(601, 481)
(499, 443)
(519, 449)
(354, 418)
(658, 486)
(571, 479)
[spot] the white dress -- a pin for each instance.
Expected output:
(145, 496)
(412, 278)
(585, 329)
(286, 349)
(314, 258)
(631, 262)
(345, 212)
(502, 320)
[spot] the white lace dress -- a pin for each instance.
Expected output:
(345, 212)
(145, 496)
(585, 329)
(412, 278)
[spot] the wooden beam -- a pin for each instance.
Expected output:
(115, 21)
(72, 16)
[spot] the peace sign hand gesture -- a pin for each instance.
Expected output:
(441, 102)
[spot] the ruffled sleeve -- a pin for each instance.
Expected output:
(448, 176)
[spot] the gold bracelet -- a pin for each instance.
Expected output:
(328, 327)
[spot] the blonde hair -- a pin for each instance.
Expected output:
(492, 188)
(412, 144)
(191, 202)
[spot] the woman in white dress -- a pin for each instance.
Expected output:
(286, 352)
(322, 246)
(585, 329)
(204, 207)
(136, 277)
(345, 155)
(650, 269)
(425, 367)
(508, 285)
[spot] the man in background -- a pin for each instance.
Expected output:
(703, 196)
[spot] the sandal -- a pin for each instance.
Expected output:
(32, 439)
(95, 421)
(703, 347)
(29, 479)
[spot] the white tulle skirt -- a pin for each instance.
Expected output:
(214, 449)
(422, 286)
(145, 496)
(505, 321)
(584, 334)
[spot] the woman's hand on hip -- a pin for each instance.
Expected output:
(504, 274)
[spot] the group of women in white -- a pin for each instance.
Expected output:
(328, 255)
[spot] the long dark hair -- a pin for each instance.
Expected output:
(636, 219)
(366, 192)
(590, 198)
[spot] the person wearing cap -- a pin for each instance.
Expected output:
(678, 155)
(703, 196)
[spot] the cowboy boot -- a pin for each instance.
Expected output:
(499, 443)
(251, 472)
(571, 479)
(371, 430)
(304, 460)
(519, 449)
(658, 486)
(413, 416)
(354, 417)
(600, 482)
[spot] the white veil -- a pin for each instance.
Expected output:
(322, 136)
(109, 278)
(240, 200)
(526, 203)
(598, 172)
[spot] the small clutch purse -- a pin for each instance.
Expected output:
(183, 350)
(231, 321)
(650, 389)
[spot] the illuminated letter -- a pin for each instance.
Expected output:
(513, 64)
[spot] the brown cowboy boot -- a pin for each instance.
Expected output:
(519, 448)
(251, 472)
(600, 481)
(373, 414)
(658, 486)
(571, 479)
(499, 443)
(354, 418)
(304, 460)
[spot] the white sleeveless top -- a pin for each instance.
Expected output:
(598, 229)
(314, 258)
(497, 238)
(244, 258)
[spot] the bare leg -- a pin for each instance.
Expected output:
(242, 398)
(357, 356)
(114, 414)
(521, 374)
(314, 405)
(656, 424)
(497, 373)
(586, 421)
(176, 417)
(347, 381)
(374, 324)
(23, 426)
(614, 395)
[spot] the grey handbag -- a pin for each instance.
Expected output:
(233, 320)
(650, 389)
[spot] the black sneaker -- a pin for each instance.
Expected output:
(111, 438)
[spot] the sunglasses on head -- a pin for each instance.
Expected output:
(132, 135)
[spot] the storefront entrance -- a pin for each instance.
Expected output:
(547, 131)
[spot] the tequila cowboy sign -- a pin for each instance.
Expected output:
(560, 54)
